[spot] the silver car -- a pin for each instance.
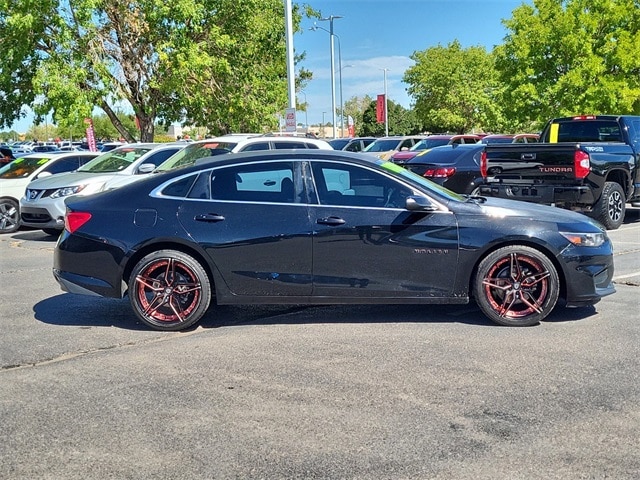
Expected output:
(43, 206)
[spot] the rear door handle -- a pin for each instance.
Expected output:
(209, 217)
(331, 221)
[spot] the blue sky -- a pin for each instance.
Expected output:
(382, 34)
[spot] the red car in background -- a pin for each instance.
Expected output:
(511, 138)
(434, 141)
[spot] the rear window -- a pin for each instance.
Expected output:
(584, 131)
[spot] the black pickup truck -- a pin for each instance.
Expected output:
(588, 163)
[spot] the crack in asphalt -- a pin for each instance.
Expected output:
(82, 353)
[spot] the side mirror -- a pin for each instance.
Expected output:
(44, 174)
(420, 204)
(146, 168)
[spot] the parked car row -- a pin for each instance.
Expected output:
(323, 226)
(288, 220)
(41, 205)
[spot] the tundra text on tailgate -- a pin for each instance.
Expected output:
(587, 163)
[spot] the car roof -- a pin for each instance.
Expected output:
(284, 155)
(62, 154)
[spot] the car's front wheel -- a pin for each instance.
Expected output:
(516, 286)
(9, 215)
(169, 290)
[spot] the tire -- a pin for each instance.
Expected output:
(52, 231)
(610, 207)
(169, 290)
(516, 286)
(9, 215)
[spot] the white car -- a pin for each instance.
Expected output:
(42, 205)
(15, 176)
(239, 143)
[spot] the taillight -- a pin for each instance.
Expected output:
(483, 164)
(442, 172)
(581, 164)
(74, 220)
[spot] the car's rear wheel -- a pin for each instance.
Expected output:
(169, 290)
(9, 215)
(516, 286)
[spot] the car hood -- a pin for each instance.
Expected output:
(70, 179)
(504, 208)
(13, 187)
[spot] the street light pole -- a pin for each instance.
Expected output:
(330, 19)
(324, 135)
(386, 113)
(340, 80)
(306, 107)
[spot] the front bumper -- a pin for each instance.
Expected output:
(44, 213)
(588, 273)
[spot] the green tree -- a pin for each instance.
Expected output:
(219, 63)
(455, 89)
(355, 107)
(401, 121)
(566, 57)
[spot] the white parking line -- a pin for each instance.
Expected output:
(618, 277)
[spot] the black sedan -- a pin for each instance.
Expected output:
(456, 167)
(323, 227)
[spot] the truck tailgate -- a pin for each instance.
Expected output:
(546, 163)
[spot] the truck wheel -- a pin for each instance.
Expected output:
(610, 207)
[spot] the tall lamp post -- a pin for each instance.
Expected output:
(386, 113)
(306, 107)
(340, 82)
(330, 19)
(340, 67)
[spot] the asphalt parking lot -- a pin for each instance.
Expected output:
(355, 392)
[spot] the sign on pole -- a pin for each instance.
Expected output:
(290, 120)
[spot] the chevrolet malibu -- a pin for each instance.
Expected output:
(323, 227)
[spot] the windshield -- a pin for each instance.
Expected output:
(22, 167)
(188, 155)
(429, 143)
(383, 145)
(114, 160)
(425, 183)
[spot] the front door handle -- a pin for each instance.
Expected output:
(331, 221)
(209, 217)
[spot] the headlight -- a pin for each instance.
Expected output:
(66, 191)
(585, 239)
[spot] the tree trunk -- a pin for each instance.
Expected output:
(124, 133)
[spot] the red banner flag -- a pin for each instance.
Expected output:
(91, 138)
(381, 114)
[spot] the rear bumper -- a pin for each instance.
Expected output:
(578, 195)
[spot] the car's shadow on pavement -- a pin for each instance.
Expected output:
(87, 311)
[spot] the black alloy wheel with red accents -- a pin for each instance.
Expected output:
(516, 286)
(169, 290)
